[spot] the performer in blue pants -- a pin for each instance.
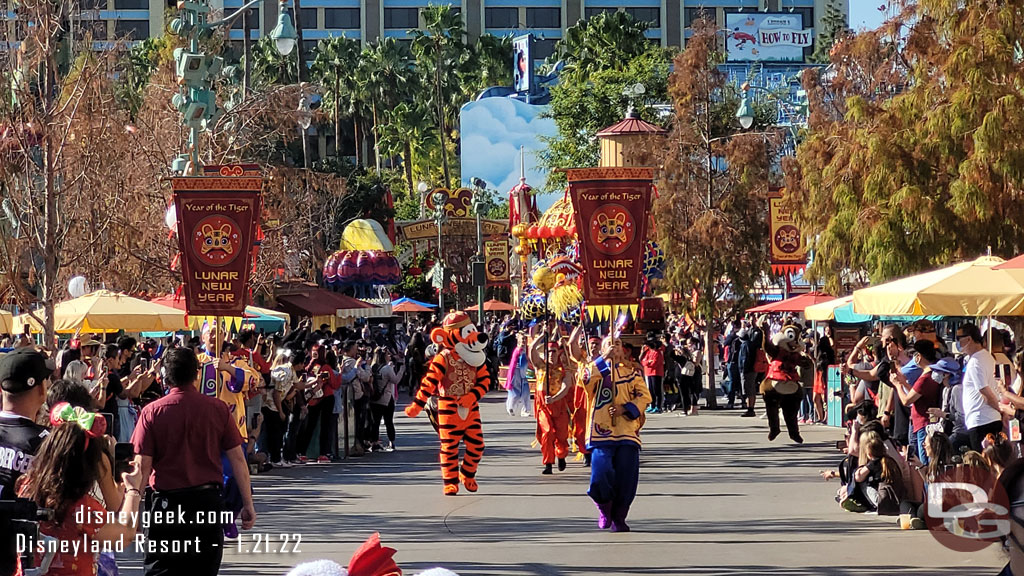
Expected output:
(617, 397)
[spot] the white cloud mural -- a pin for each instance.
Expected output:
(492, 131)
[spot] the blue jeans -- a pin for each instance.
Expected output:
(920, 437)
(735, 383)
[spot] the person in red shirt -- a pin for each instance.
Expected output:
(652, 358)
(178, 444)
(325, 380)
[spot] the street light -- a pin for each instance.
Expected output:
(480, 204)
(745, 113)
(283, 34)
(197, 71)
(422, 188)
(439, 220)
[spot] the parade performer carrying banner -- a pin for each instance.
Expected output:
(553, 397)
(579, 421)
(617, 396)
(458, 378)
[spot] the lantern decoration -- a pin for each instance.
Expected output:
(519, 230)
(654, 261)
(361, 268)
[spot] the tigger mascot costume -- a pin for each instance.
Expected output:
(458, 377)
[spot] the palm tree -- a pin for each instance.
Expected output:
(385, 74)
(269, 67)
(446, 62)
(494, 57)
(335, 60)
(606, 41)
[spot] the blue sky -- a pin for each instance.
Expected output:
(864, 14)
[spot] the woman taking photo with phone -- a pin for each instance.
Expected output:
(61, 478)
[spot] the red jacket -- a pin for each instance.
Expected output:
(653, 361)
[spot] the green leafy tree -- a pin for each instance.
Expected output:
(582, 109)
(605, 41)
(386, 75)
(446, 64)
(912, 158)
(494, 57)
(136, 69)
(834, 28)
(269, 68)
(333, 63)
(713, 183)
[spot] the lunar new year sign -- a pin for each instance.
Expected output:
(217, 218)
(611, 211)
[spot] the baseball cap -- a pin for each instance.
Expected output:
(23, 369)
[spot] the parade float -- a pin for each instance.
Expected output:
(592, 252)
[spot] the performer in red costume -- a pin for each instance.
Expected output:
(553, 398)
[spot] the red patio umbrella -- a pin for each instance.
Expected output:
(493, 306)
(794, 304)
(410, 307)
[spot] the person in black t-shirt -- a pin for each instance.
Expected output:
(24, 374)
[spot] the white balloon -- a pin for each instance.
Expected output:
(171, 218)
(78, 287)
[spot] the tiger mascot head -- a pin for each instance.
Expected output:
(458, 333)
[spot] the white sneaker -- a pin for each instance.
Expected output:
(526, 415)
(282, 464)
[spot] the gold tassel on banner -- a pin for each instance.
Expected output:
(633, 310)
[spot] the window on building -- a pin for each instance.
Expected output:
(341, 18)
(543, 17)
(650, 15)
(543, 48)
(309, 19)
(309, 48)
(591, 12)
(401, 18)
(94, 4)
(252, 20)
(808, 15)
(694, 14)
(501, 17)
(131, 29)
(131, 4)
(98, 28)
(406, 45)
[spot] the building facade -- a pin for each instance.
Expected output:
(369, 20)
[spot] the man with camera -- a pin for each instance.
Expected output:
(24, 375)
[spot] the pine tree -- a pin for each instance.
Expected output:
(834, 28)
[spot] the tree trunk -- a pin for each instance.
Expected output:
(408, 167)
(50, 262)
(707, 302)
(442, 134)
(337, 114)
(376, 145)
(358, 140)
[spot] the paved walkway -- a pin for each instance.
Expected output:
(715, 498)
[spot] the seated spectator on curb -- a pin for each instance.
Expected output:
(877, 483)
(998, 451)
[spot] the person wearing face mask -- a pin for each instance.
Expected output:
(923, 394)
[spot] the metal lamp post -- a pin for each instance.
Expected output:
(439, 220)
(480, 205)
(196, 71)
(745, 112)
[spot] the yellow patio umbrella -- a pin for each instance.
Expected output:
(826, 311)
(268, 312)
(365, 235)
(967, 289)
(104, 311)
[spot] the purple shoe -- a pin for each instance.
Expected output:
(619, 519)
(604, 519)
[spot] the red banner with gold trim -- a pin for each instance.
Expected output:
(218, 213)
(611, 212)
(787, 252)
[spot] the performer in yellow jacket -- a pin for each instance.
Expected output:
(617, 397)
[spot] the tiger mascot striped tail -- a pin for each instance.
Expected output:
(458, 377)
